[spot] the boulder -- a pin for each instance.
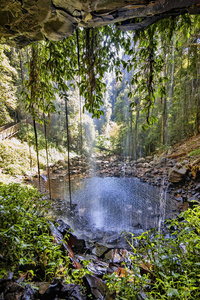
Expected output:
(96, 287)
(176, 175)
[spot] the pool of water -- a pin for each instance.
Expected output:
(111, 204)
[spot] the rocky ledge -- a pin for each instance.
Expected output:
(177, 173)
(22, 22)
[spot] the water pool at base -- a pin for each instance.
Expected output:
(111, 204)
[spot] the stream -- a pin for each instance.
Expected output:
(110, 205)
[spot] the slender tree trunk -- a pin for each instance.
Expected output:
(33, 82)
(164, 107)
(23, 89)
(136, 133)
(80, 104)
(47, 156)
(164, 120)
(36, 144)
(68, 150)
(131, 134)
(197, 129)
(171, 90)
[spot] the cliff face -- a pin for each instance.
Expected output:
(23, 21)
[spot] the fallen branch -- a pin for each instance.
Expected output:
(176, 155)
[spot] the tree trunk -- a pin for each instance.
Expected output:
(164, 107)
(197, 129)
(68, 150)
(136, 133)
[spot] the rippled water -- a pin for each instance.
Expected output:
(112, 204)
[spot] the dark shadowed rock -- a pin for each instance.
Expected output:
(57, 290)
(29, 293)
(53, 290)
(72, 292)
(96, 287)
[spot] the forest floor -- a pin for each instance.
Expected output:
(15, 163)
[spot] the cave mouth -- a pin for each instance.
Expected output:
(23, 22)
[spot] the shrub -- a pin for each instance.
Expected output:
(172, 264)
(25, 240)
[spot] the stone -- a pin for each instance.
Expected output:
(176, 175)
(100, 249)
(72, 292)
(29, 293)
(43, 286)
(98, 268)
(63, 227)
(96, 287)
(53, 290)
(145, 165)
(179, 199)
(139, 165)
(140, 160)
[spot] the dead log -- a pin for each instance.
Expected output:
(176, 155)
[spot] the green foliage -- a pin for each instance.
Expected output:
(24, 239)
(26, 243)
(14, 157)
(8, 75)
(25, 137)
(195, 152)
(172, 264)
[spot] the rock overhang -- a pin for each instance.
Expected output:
(24, 21)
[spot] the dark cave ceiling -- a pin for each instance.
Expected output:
(24, 21)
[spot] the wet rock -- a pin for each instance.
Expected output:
(98, 268)
(53, 290)
(96, 287)
(197, 188)
(100, 250)
(63, 227)
(72, 292)
(29, 293)
(77, 245)
(118, 256)
(57, 290)
(179, 199)
(12, 291)
(148, 175)
(176, 175)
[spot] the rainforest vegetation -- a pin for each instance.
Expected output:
(100, 91)
(142, 86)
